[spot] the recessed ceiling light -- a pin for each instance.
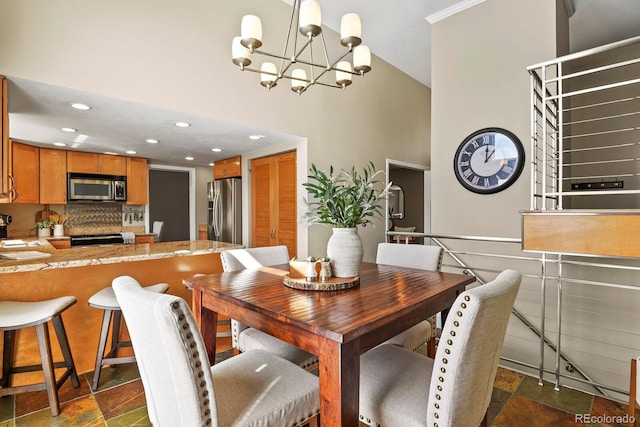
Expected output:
(256, 137)
(79, 106)
(130, 152)
(216, 150)
(182, 124)
(152, 141)
(188, 158)
(68, 130)
(59, 144)
(211, 164)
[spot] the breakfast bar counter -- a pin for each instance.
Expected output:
(83, 271)
(97, 255)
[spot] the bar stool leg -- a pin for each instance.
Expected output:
(42, 332)
(102, 343)
(7, 358)
(115, 333)
(61, 333)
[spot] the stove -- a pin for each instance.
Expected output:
(97, 239)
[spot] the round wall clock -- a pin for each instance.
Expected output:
(489, 160)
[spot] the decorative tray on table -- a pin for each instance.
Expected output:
(333, 284)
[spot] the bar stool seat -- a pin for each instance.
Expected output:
(105, 299)
(16, 315)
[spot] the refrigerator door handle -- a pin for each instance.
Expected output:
(217, 215)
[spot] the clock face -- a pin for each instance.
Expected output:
(489, 160)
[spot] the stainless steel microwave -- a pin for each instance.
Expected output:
(96, 188)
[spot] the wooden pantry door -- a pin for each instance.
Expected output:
(273, 202)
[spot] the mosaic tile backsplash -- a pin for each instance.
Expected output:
(82, 215)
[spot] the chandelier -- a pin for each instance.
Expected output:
(306, 14)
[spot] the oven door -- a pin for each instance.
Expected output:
(90, 189)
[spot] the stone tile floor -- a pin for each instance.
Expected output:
(517, 401)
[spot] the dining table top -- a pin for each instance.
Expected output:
(385, 292)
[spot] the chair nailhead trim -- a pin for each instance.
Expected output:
(188, 335)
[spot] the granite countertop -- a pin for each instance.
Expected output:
(96, 255)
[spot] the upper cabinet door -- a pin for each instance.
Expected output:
(227, 168)
(53, 176)
(26, 173)
(137, 181)
(78, 161)
(5, 146)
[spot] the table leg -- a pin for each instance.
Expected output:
(207, 322)
(339, 372)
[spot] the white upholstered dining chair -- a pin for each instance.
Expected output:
(393, 380)
(245, 338)
(423, 257)
(181, 389)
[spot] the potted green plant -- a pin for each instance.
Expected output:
(44, 227)
(344, 201)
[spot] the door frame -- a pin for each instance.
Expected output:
(427, 192)
(192, 196)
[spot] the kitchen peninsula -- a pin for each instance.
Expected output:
(83, 271)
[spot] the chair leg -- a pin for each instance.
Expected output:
(61, 333)
(7, 358)
(485, 420)
(431, 348)
(42, 332)
(102, 343)
(115, 333)
(632, 393)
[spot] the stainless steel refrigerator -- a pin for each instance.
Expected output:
(225, 210)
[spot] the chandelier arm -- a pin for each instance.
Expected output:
(296, 6)
(324, 48)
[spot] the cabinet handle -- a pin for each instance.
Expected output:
(13, 193)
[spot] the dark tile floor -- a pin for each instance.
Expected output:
(517, 401)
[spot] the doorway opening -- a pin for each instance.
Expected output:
(172, 201)
(408, 208)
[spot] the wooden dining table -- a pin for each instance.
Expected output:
(337, 326)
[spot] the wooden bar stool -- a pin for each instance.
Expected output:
(15, 315)
(106, 300)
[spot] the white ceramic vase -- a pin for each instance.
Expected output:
(44, 232)
(344, 249)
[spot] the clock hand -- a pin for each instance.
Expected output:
(490, 154)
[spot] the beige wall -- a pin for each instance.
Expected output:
(479, 61)
(480, 80)
(176, 55)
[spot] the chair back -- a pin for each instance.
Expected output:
(157, 230)
(171, 356)
(252, 258)
(468, 353)
(424, 257)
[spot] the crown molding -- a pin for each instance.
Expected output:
(456, 8)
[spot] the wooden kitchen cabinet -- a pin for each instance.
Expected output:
(144, 239)
(274, 202)
(137, 181)
(25, 169)
(227, 168)
(53, 176)
(5, 145)
(105, 164)
(60, 243)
